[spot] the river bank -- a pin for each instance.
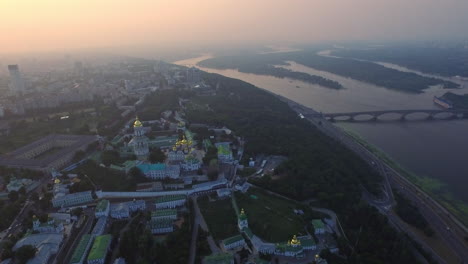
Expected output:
(432, 152)
(432, 187)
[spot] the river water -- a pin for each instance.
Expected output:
(437, 149)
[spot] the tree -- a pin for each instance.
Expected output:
(79, 155)
(109, 157)
(24, 253)
(156, 156)
(136, 175)
(22, 191)
(13, 196)
(77, 211)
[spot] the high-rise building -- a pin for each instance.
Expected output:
(17, 82)
(193, 75)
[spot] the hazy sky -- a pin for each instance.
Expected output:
(44, 25)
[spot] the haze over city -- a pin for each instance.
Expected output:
(53, 25)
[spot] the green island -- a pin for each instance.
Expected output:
(359, 70)
(445, 61)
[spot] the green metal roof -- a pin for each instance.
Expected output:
(102, 205)
(224, 149)
(170, 198)
(233, 239)
(307, 242)
(222, 258)
(80, 249)
(164, 212)
(317, 223)
(99, 248)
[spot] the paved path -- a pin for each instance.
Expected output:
(196, 225)
(438, 218)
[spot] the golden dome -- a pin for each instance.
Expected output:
(57, 181)
(137, 123)
(295, 241)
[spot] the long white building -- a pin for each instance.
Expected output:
(66, 200)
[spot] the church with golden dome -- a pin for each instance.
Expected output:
(139, 142)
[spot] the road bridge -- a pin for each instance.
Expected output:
(402, 115)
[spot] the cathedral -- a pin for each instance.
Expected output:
(139, 142)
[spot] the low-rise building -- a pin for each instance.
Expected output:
(308, 244)
(233, 242)
(225, 192)
(99, 250)
(119, 211)
(62, 217)
(319, 226)
(136, 205)
(190, 163)
(126, 166)
(80, 252)
(161, 226)
(66, 200)
(99, 227)
(221, 258)
(160, 170)
(50, 226)
(120, 261)
(46, 245)
(17, 184)
(224, 152)
(102, 208)
(164, 214)
(170, 201)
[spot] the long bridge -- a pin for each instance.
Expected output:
(367, 116)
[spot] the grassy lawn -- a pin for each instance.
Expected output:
(220, 217)
(270, 217)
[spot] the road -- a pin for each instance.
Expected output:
(438, 218)
(16, 224)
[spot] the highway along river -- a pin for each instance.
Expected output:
(435, 151)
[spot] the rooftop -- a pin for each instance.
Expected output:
(222, 258)
(317, 223)
(80, 249)
(14, 158)
(224, 149)
(164, 212)
(170, 198)
(100, 246)
(151, 167)
(161, 223)
(307, 242)
(102, 205)
(232, 239)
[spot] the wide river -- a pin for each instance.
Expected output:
(437, 149)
